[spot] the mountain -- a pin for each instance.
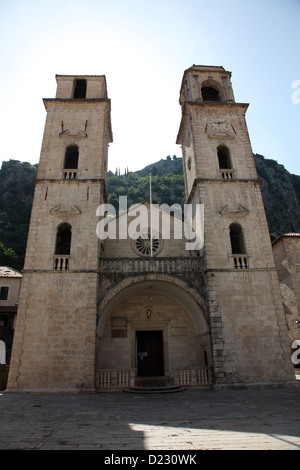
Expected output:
(280, 191)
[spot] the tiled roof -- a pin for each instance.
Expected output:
(290, 234)
(6, 271)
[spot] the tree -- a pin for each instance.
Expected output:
(7, 256)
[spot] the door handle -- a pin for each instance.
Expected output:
(142, 355)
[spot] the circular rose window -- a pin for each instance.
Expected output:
(143, 245)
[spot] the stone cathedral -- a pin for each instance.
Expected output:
(105, 314)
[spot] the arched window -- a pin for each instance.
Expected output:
(63, 240)
(224, 157)
(210, 93)
(79, 88)
(237, 240)
(71, 157)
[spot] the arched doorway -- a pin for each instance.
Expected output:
(151, 328)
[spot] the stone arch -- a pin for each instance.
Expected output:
(178, 312)
(211, 90)
(169, 285)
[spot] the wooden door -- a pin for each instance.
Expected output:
(150, 358)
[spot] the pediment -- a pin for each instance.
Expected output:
(230, 211)
(68, 135)
(62, 211)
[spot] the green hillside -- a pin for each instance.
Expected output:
(280, 191)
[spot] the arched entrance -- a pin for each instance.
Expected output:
(154, 327)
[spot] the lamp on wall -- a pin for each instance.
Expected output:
(149, 313)
(298, 323)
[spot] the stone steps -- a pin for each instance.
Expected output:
(154, 385)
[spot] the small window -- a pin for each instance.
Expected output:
(4, 293)
(71, 158)
(210, 94)
(237, 240)
(63, 240)
(80, 89)
(224, 158)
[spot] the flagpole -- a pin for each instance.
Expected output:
(151, 248)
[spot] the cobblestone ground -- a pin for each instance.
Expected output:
(189, 420)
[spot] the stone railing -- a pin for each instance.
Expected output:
(61, 263)
(190, 377)
(240, 261)
(227, 174)
(150, 265)
(70, 174)
(109, 380)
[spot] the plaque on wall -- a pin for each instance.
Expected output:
(119, 322)
(119, 333)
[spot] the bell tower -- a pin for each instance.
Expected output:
(248, 331)
(54, 344)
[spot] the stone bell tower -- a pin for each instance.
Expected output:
(54, 344)
(248, 331)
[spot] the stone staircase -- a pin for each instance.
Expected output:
(152, 385)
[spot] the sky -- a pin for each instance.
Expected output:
(143, 48)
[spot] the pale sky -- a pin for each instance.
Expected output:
(143, 48)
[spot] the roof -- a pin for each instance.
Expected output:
(6, 271)
(287, 235)
(80, 76)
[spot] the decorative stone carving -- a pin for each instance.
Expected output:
(60, 211)
(239, 211)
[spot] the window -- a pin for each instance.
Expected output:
(144, 242)
(237, 240)
(4, 293)
(80, 89)
(71, 157)
(224, 157)
(63, 240)
(210, 94)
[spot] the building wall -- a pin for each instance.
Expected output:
(13, 293)
(55, 332)
(286, 251)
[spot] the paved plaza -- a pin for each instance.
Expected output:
(188, 420)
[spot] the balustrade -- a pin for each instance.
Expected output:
(240, 261)
(190, 377)
(227, 174)
(119, 379)
(70, 174)
(114, 379)
(155, 265)
(61, 263)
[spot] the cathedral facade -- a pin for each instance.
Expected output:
(100, 312)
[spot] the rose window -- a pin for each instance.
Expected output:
(143, 244)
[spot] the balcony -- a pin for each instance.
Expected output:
(227, 174)
(180, 265)
(240, 261)
(70, 174)
(61, 263)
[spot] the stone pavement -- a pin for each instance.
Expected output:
(189, 420)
